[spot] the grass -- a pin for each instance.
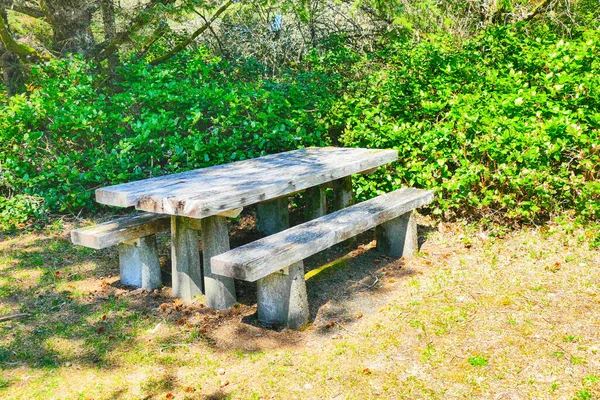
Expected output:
(471, 316)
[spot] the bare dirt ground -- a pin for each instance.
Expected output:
(472, 315)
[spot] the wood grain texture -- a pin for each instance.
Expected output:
(210, 191)
(265, 256)
(120, 230)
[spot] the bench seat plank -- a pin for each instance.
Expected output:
(211, 191)
(273, 253)
(120, 230)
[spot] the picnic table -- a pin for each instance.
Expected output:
(204, 198)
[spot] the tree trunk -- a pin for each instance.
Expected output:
(12, 72)
(110, 29)
(70, 21)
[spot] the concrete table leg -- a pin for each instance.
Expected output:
(219, 290)
(398, 237)
(272, 216)
(342, 193)
(185, 257)
(343, 197)
(282, 300)
(138, 261)
(316, 204)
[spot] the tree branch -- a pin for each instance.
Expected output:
(536, 10)
(24, 52)
(14, 316)
(158, 33)
(144, 16)
(194, 35)
(23, 8)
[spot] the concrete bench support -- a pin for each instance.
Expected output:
(219, 290)
(282, 300)
(276, 261)
(138, 262)
(185, 259)
(398, 237)
(135, 239)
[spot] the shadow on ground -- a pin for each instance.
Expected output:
(80, 313)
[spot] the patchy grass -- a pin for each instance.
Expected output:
(472, 316)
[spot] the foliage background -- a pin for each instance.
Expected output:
(500, 119)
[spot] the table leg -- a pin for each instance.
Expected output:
(316, 205)
(343, 197)
(282, 299)
(185, 258)
(219, 290)
(272, 216)
(342, 193)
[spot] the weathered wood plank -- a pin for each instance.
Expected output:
(263, 257)
(211, 191)
(120, 230)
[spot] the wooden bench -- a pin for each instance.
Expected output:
(135, 238)
(276, 261)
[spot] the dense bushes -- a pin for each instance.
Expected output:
(72, 133)
(504, 127)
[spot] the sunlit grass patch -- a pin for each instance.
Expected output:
(463, 320)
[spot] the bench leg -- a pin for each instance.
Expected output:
(185, 258)
(282, 299)
(138, 261)
(398, 237)
(272, 216)
(219, 290)
(316, 205)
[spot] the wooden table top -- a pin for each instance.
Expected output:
(214, 190)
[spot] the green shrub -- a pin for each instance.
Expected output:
(72, 133)
(503, 128)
